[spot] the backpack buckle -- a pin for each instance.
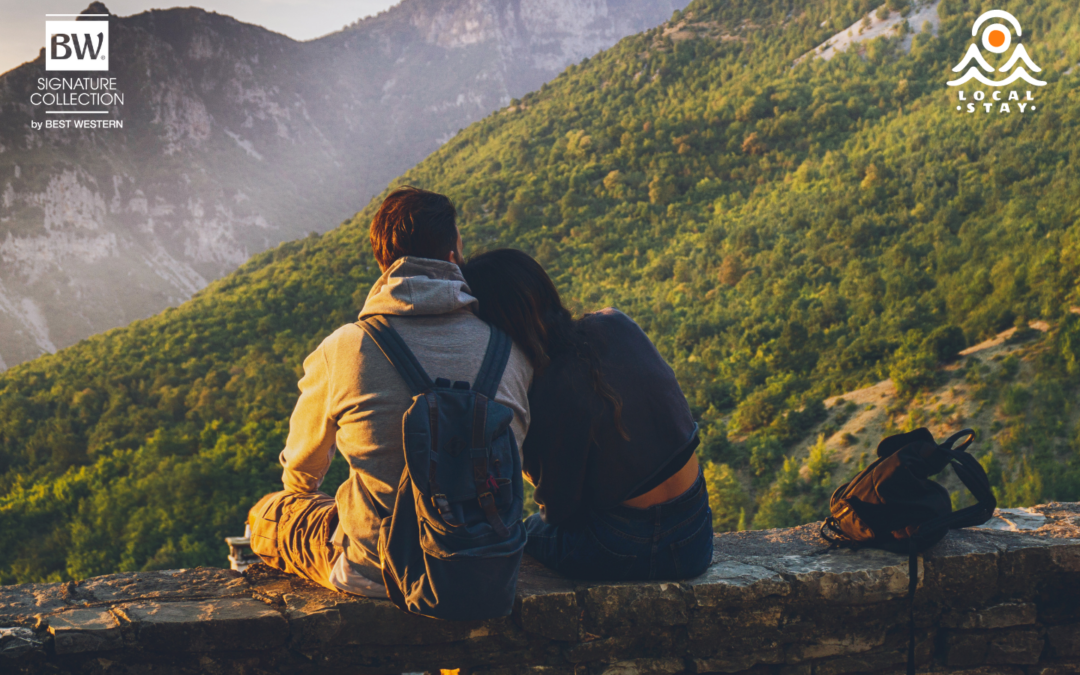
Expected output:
(442, 504)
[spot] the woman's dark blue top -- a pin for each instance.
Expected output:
(573, 452)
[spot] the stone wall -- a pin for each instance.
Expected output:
(1002, 601)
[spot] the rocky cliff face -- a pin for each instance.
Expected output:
(236, 138)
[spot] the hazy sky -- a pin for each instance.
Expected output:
(22, 28)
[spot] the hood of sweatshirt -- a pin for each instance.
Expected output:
(419, 287)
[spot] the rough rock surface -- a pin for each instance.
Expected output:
(990, 601)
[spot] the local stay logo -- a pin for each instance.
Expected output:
(997, 38)
(76, 45)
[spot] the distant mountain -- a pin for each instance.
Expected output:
(236, 138)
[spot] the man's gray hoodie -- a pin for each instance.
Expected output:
(352, 398)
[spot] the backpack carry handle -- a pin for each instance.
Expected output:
(947, 444)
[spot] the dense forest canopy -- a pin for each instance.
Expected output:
(782, 232)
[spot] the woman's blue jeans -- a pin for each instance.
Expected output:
(672, 540)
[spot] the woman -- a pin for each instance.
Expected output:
(611, 440)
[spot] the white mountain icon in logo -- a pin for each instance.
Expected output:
(997, 38)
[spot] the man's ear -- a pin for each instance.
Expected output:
(454, 258)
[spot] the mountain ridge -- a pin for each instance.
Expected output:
(238, 138)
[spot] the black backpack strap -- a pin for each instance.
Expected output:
(486, 387)
(974, 478)
(486, 485)
(397, 352)
(913, 585)
(972, 474)
(495, 359)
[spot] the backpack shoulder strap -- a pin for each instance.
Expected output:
(974, 478)
(495, 359)
(397, 352)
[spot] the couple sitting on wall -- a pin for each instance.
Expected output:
(605, 433)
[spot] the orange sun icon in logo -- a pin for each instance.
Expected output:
(997, 38)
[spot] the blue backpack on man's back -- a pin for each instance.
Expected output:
(452, 547)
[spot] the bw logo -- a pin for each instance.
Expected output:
(77, 45)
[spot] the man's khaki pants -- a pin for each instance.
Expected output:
(292, 532)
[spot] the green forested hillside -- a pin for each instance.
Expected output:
(782, 233)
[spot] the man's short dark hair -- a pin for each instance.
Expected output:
(413, 222)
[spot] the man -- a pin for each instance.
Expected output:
(352, 399)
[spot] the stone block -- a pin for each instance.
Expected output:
(1012, 647)
(1057, 669)
(519, 670)
(711, 629)
(20, 604)
(314, 621)
(555, 616)
(85, 630)
(1058, 602)
(738, 652)
(1064, 640)
(736, 584)
(384, 659)
(857, 665)
(603, 649)
(1021, 647)
(801, 630)
(668, 666)
(890, 655)
(835, 645)
(738, 660)
(983, 670)
(240, 624)
(966, 649)
(271, 585)
(379, 622)
(660, 643)
(621, 609)
(1024, 565)
(962, 569)
(198, 582)
(19, 641)
(846, 577)
(546, 603)
(1066, 556)
(1004, 615)
(1015, 520)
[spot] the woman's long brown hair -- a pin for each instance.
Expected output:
(517, 296)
